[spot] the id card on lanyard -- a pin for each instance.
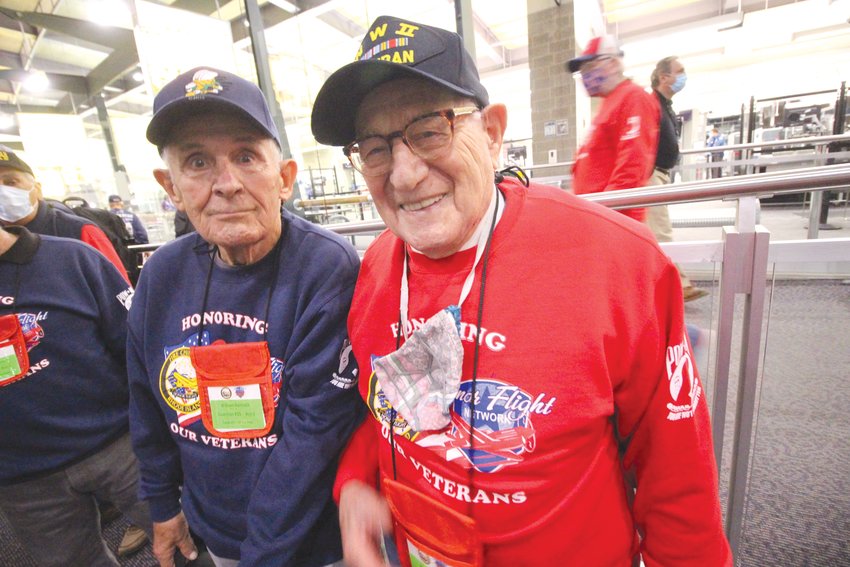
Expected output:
(14, 360)
(235, 388)
(430, 533)
(235, 380)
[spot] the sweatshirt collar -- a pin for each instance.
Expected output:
(24, 248)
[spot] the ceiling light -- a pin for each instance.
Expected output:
(108, 13)
(37, 81)
(6, 121)
(284, 5)
(138, 76)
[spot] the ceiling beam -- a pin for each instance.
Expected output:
(107, 36)
(116, 65)
(10, 60)
(58, 81)
(271, 14)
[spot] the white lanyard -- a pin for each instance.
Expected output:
(481, 236)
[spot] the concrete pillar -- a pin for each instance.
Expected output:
(551, 43)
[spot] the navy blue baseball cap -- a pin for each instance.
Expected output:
(202, 89)
(392, 49)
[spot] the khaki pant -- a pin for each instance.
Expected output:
(658, 220)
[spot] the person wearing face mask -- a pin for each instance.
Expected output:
(668, 78)
(22, 204)
(509, 404)
(619, 151)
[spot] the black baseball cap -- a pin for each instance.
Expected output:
(115, 199)
(392, 49)
(10, 159)
(202, 89)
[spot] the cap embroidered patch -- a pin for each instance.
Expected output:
(204, 82)
(393, 49)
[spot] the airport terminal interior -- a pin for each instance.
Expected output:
(763, 225)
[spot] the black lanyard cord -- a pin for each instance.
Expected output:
(275, 269)
(16, 290)
(477, 352)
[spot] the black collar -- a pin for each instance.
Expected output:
(24, 248)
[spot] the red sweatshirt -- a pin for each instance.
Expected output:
(571, 353)
(619, 151)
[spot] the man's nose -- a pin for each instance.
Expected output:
(226, 178)
(408, 169)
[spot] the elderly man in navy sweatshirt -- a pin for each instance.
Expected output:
(63, 398)
(242, 389)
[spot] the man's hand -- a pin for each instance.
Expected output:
(170, 536)
(364, 517)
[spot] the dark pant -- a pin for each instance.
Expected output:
(716, 172)
(56, 517)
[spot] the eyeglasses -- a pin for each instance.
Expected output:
(428, 136)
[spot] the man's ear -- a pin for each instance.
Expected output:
(495, 118)
(163, 177)
(36, 192)
(288, 171)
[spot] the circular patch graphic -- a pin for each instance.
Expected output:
(177, 382)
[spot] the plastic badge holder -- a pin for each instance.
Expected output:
(235, 388)
(432, 529)
(14, 360)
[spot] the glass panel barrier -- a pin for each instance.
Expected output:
(797, 504)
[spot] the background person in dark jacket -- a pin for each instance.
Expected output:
(133, 223)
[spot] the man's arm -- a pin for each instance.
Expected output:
(158, 455)
(94, 237)
(638, 142)
(294, 490)
(664, 417)
(364, 515)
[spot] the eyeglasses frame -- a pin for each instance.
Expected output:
(450, 114)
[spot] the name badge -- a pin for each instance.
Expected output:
(235, 388)
(14, 360)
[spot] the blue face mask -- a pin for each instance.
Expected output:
(593, 81)
(679, 83)
(15, 203)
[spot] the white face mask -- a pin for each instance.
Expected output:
(15, 203)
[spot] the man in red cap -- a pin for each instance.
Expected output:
(619, 151)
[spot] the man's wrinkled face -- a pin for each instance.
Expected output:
(432, 205)
(229, 178)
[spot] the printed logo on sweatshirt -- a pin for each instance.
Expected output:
(685, 388)
(33, 332)
(126, 298)
(503, 434)
(633, 122)
(382, 410)
(345, 377)
(178, 384)
(469, 333)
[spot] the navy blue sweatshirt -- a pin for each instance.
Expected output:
(271, 495)
(73, 402)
